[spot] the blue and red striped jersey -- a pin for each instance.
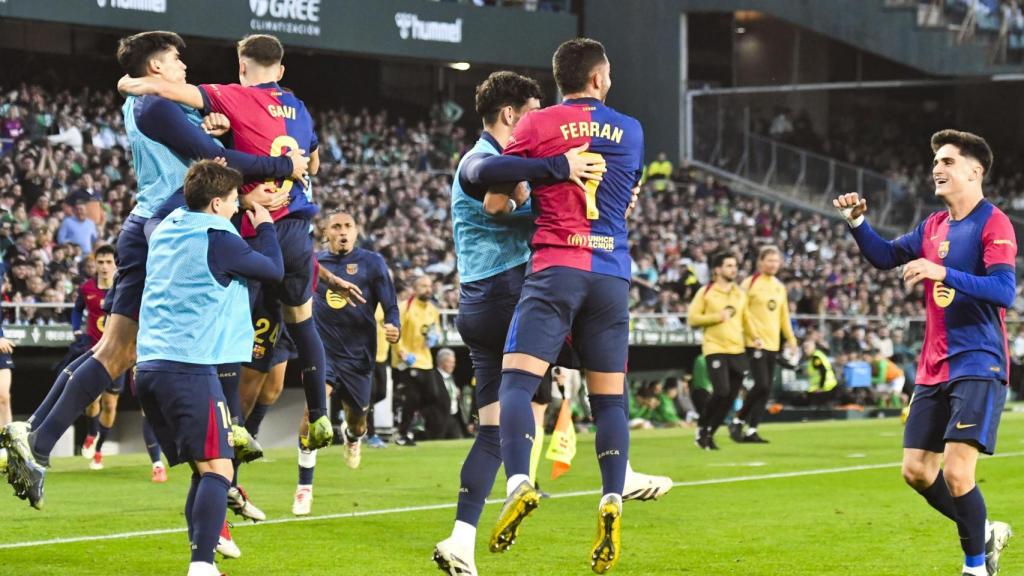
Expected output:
(965, 328)
(581, 229)
(267, 120)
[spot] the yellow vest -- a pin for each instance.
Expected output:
(418, 319)
(706, 312)
(767, 312)
(820, 375)
(382, 341)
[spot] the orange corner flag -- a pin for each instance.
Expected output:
(562, 447)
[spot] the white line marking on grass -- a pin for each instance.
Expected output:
(450, 505)
(857, 455)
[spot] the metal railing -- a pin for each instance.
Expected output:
(723, 137)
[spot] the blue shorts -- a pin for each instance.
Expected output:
(297, 250)
(186, 407)
(125, 295)
(351, 382)
(6, 362)
(271, 343)
(559, 302)
(117, 386)
(962, 411)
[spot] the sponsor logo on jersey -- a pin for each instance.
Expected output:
(606, 243)
(942, 294)
(773, 304)
(335, 300)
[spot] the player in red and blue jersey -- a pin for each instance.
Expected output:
(577, 284)
(267, 119)
(964, 257)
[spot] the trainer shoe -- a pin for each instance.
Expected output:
(89, 447)
(702, 439)
(97, 461)
(999, 534)
(644, 487)
(159, 474)
(606, 551)
(247, 448)
(754, 438)
(711, 442)
(376, 442)
(203, 569)
(736, 431)
(24, 473)
(226, 547)
(401, 440)
(453, 561)
(352, 453)
(239, 503)
(523, 501)
(320, 434)
(303, 502)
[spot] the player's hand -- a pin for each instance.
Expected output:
(266, 195)
(410, 359)
(851, 206)
(216, 124)
(632, 201)
(300, 164)
(391, 333)
(220, 160)
(259, 215)
(135, 86)
(521, 193)
(585, 165)
(6, 346)
(347, 289)
(922, 269)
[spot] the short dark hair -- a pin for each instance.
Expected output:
(207, 180)
(134, 52)
(719, 258)
(970, 145)
(104, 250)
(574, 61)
(264, 49)
(502, 89)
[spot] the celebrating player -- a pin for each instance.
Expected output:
(767, 316)
(268, 119)
(964, 256)
(578, 283)
(165, 137)
(349, 332)
(195, 317)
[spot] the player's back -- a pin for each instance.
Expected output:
(583, 230)
(267, 120)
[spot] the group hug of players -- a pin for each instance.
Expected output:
(203, 296)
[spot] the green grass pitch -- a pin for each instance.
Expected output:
(822, 498)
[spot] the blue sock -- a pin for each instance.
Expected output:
(190, 503)
(611, 441)
(478, 472)
(88, 382)
(255, 419)
(57, 389)
(94, 425)
(311, 358)
(971, 515)
(230, 375)
(939, 497)
(517, 426)
(152, 444)
(102, 437)
(208, 513)
(235, 463)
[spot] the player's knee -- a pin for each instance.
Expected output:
(959, 480)
(357, 426)
(918, 475)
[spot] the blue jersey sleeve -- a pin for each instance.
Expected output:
(486, 169)
(998, 287)
(888, 254)
(384, 289)
(165, 122)
(231, 257)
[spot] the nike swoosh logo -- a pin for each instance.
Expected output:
(960, 426)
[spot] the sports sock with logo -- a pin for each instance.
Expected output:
(208, 513)
(517, 427)
(611, 441)
(313, 362)
(971, 514)
(477, 476)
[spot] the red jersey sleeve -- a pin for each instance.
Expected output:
(524, 137)
(999, 242)
(221, 97)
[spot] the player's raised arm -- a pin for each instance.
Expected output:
(186, 94)
(881, 253)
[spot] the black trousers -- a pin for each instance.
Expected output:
(726, 374)
(762, 369)
(377, 393)
(414, 393)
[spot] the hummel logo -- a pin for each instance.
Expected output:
(960, 426)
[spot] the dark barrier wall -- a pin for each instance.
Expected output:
(402, 28)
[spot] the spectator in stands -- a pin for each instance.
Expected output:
(659, 173)
(443, 416)
(78, 229)
(821, 378)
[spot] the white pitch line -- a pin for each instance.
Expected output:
(449, 505)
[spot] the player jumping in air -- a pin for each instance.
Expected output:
(964, 256)
(577, 283)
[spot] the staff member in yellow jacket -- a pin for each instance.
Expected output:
(719, 308)
(380, 379)
(411, 357)
(767, 317)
